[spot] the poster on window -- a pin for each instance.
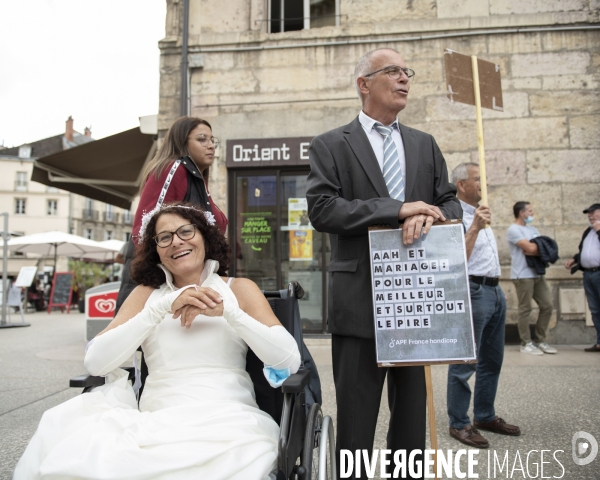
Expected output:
(298, 212)
(421, 297)
(301, 245)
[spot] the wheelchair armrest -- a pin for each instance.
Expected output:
(83, 381)
(296, 382)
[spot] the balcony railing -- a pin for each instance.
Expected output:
(112, 217)
(89, 214)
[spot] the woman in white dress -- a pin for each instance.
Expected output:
(197, 418)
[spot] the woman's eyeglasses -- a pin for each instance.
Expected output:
(165, 239)
(204, 141)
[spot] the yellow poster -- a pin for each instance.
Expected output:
(301, 245)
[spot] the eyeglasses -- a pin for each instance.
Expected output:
(204, 140)
(165, 239)
(394, 72)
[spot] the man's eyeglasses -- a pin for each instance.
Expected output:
(204, 140)
(394, 72)
(165, 239)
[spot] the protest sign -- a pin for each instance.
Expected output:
(421, 297)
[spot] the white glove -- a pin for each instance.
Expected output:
(273, 345)
(109, 350)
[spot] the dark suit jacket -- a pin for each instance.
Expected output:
(346, 194)
(548, 253)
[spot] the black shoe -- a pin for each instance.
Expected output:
(593, 348)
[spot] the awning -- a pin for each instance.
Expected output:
(108, 170)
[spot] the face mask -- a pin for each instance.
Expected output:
(528, 219)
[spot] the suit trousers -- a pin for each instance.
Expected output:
(358, 386)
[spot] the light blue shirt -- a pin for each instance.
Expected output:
(484, 257)
(376, 140)
(519, 267)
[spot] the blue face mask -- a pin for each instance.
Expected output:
(528, 219)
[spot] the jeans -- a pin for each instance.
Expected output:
(488, 306)
(591, 284)
(538, 290)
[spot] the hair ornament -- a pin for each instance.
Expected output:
(147, 216)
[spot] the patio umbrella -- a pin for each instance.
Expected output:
(56, 243)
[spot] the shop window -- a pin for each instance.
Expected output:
(290, 15)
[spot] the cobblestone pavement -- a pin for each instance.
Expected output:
(550, 397)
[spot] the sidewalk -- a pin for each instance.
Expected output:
(550, 397)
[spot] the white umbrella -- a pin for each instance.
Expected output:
(55, 244)
(115, 247)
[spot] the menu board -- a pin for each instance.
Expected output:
(62, 290)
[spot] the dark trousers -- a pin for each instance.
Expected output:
(591, 284)
(358, 386)
(127, 284)
(488, 306)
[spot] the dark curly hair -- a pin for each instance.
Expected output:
(144, 267)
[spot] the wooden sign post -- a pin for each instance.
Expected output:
(421, 302)
(475, 82)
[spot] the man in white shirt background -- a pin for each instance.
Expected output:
(488, 305)
(588, 260)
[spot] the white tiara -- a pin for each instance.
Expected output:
(210, 218)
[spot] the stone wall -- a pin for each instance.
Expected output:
(544, 147)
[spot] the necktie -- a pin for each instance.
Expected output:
(392, 173)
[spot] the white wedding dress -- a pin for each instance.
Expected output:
(197, 418)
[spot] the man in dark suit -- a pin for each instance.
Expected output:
(374, 171)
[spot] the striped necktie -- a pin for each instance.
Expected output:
(392, 173)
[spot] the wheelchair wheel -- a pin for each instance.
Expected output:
(318, 455)
(310, 453)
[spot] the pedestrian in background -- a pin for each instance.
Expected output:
(588, 260)
(529, 284)
(178, 172)
(488, 305)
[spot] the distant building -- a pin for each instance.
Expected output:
(36, 208)
(268, 80)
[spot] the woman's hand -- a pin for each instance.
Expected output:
(201, 297)
(189, 312)
(197, 301)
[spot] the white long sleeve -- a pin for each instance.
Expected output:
(109, 350)
(273, 345)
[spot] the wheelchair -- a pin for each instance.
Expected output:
(306, 447)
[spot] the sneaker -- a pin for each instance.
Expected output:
(544, 347)
(531, 349)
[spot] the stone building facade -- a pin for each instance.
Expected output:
(544, 147)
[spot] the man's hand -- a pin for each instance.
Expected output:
(414, 226)
(569, 263)
(483, 217)
(415, 208)
(418, 218)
